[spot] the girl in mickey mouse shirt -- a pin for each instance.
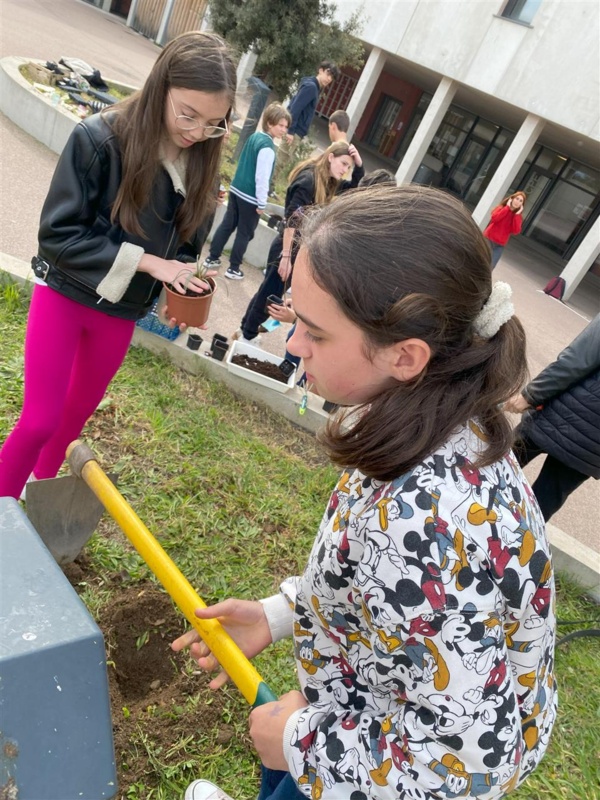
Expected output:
(423, 624)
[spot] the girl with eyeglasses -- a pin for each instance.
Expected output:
(131, 199)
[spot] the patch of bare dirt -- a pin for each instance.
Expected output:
(149, 684)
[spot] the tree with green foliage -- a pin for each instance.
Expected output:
(290, 37)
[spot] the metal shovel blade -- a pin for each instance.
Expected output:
(65, 513)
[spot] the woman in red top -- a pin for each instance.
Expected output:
(507, 219)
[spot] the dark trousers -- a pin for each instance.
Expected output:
(294, 359)
(256, 312)
(276, 785)
(556, 480)
(240, 215)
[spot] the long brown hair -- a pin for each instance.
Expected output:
(325, 185)
(194, 60)
(404, 262)
(510, 197)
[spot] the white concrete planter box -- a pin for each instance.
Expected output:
(241, 348)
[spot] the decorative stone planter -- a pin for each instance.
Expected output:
(33, 112)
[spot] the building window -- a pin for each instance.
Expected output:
(521, 10)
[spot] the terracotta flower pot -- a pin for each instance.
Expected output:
(190, 309)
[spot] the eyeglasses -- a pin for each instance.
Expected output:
(185, 123)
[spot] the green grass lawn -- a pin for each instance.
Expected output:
(235, 495)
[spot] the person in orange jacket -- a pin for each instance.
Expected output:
(506, 220)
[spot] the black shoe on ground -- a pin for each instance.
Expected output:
(212, 263)
(234, 274)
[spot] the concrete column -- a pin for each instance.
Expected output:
(440, 103)
(245, 68)
(512, 162)
(105, 5)
(579, 264)
(161, 36)
(364, 88)
(131, 15)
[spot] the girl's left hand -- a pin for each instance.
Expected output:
(172, 322)
(267, 723)
(285, 268)
(355, 155)
(284, 313)
(517, 404)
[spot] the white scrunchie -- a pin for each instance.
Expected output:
(498, 310)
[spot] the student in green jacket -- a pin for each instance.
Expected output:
(248, 191)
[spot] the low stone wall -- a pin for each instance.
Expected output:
(258, 249)
(197, 363)
(36, 115)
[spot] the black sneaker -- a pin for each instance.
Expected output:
(234, 274)
(212, 263)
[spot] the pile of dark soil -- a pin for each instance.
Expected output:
(149, 684)
(262, 367)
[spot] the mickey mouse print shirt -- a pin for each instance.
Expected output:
(424, 634)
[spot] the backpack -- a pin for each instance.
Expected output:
(556, 288)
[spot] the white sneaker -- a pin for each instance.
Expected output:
(205, 790)
(239, 337)
(30, 479)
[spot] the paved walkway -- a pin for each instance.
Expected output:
(50, 29)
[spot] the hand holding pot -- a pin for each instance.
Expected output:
(179, 275)
(244, 621)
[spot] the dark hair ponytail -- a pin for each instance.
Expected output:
(409, 262)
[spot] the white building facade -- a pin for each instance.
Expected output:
(484, 97)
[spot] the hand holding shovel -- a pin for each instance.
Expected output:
(217, 640)
(244, 621)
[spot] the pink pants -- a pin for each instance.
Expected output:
(71, 355)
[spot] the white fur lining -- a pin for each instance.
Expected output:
(176, 170)
(115, 283)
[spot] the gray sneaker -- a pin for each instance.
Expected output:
(212, 263)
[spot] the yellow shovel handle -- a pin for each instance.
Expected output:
(225, 650)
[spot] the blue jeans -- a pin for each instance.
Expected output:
(276, 785)
(497, 250)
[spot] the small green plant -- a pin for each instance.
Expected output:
(142, 639)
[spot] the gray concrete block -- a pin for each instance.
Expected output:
(56, 732)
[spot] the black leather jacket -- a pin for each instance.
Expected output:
(78, 243)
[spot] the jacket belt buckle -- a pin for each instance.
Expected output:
(41, 268)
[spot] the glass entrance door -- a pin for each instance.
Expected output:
(384, 131)
(466, 166)
(562, 218)
(535, 187)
